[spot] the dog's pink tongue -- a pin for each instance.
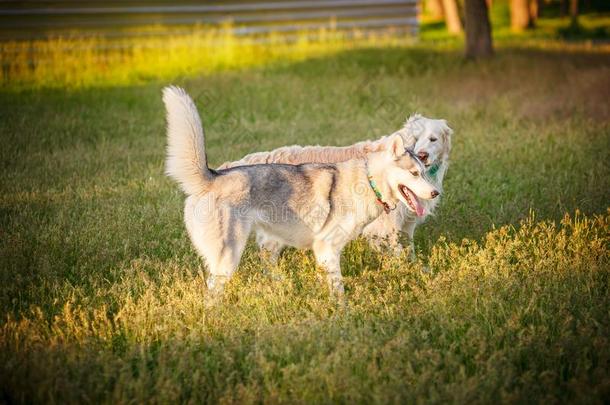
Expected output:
(419, 209)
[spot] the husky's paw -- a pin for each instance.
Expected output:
(338, 289)
(335, 283)
(337, 296)
(216, 284)
(274, 275)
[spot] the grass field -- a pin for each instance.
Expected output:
(102, 295)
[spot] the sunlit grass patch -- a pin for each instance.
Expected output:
(76, 61)
(521, 315)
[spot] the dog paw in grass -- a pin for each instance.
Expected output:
(274, 274)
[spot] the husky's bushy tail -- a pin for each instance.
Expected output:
(186, 160)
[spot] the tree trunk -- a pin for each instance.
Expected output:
(478, 30)
(519, 14)
(535, 8)
(452, 16)
(574, 12)
(563, 8)
(435, 9)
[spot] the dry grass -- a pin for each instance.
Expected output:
(521, 316)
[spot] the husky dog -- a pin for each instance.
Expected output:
(309, 206)
(430, 139)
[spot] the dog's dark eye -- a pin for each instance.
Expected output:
(433, 139)
(415, 174)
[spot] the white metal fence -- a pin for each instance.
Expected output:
(32, 19)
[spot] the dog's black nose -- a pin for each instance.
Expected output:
(435, 194)
(423, 156)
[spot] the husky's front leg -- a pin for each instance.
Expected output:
(328, 257)
(383, 232)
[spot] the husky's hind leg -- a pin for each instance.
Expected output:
(220, 236)
(269, 252)
(233, 243)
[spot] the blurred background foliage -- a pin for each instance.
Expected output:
(112, 48)
(548, 19)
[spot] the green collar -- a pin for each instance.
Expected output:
(433, 170)
(386, 206)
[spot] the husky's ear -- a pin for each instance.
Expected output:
(397, 146)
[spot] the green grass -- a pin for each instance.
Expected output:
(102, 294)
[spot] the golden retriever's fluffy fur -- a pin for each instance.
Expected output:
(296, 155)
